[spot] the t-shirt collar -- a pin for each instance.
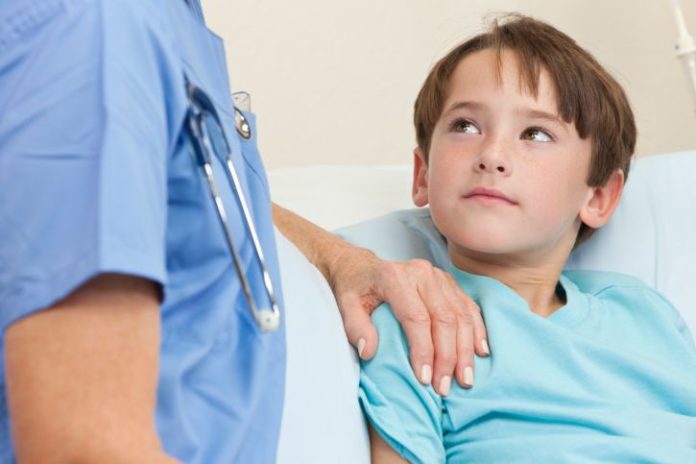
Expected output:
(491, 294)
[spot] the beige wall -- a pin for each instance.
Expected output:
(333, 81)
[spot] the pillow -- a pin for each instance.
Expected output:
(650, 236)
(322, 421)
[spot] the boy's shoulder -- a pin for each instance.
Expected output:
(621, 291)
(627, 298)
(614, 287)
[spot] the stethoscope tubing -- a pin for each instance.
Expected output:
(268, 319)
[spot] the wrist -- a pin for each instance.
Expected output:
(342, 258)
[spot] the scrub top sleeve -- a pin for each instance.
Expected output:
(405, 413)
(83, 151)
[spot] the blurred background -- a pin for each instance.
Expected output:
(333, 82)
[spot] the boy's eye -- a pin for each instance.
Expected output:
(536, 134)
(463, 126)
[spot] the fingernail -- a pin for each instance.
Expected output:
(361, 346)
(469, 376)
(445, 384)
(484, 347)
(426, 374)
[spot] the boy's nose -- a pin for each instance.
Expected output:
(492, 160)
(500, 167)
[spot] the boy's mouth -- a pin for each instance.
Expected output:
(489, 196)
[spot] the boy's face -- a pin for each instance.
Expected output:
(506, 175)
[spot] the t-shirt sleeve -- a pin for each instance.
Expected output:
(83, 149)
(675, 318)
(405, 413)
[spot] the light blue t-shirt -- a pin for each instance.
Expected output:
(609, 377)
(97, 174)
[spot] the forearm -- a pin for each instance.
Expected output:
(320, 247)
(82, 376)
(101, 453)
(381, 452)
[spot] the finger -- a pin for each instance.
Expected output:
(469, 321)
(465, 351)
(468, 305)
(407, 305)
(415, 321)
(480, 332)
(359, 329)
(454, 315)
(444, 328)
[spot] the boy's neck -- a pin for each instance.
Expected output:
(536, 284)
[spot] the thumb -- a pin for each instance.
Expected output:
(359, 329)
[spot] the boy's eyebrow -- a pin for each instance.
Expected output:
(466, 105)
(538, 114)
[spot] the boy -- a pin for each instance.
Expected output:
(524, 144)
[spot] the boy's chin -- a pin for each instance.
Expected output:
(484, 247)
(486, 242)
(506, 248)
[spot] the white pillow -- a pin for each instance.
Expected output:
(653, 232)
(322, 421)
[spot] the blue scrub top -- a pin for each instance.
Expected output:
(97, 175)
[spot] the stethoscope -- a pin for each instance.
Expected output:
(205, 128)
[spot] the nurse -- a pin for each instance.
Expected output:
(133, 249)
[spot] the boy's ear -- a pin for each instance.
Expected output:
(419, 191)
(602, 201)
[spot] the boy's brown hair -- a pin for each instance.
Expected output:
(587, 94)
